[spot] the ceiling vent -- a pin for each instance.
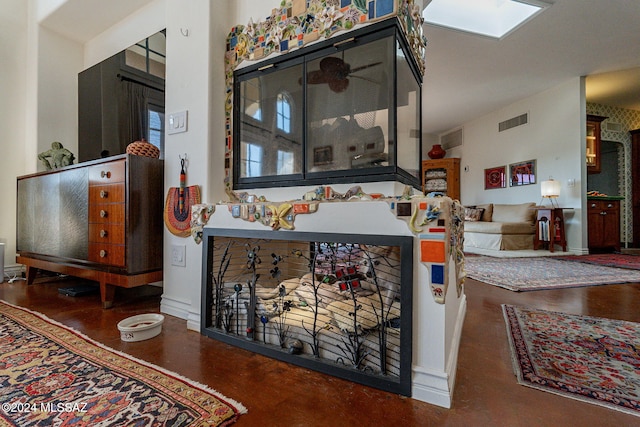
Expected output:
(613, 127)
(451, 139)
(522, 119)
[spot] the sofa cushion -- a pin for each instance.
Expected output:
(487, 213)
(522, 212)
(499, 227)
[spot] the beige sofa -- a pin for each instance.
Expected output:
(500, 226)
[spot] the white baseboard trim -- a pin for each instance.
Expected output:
(436, 387)
(193, 322)
(182, 310)
(176, 308)
(431, 387)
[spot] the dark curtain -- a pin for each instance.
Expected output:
(132, 112)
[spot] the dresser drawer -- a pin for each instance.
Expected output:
(109, 193)
(107, 173)
(105, 253)
(103, 213)
(106, 233)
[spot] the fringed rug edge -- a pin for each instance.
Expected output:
(239, 407)
(519, 377)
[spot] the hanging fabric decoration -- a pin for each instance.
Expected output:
(183, 183)
(177, 208)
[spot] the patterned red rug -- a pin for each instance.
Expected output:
(591, 359)
(610, 260)
(543, 273)
(51, 375)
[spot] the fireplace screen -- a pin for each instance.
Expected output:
(336, 303)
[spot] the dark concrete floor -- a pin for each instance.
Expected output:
(278, 394)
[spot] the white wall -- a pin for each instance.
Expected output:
(553, 137)
(190, 86)
(59, 61)
(13, 51)
(135, 27)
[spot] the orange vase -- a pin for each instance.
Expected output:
(437, 152)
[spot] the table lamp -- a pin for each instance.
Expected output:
(550, 190)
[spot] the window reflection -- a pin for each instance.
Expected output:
(251, 160)
(271, 128)
(251, 99)
(283, 112)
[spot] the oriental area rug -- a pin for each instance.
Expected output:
(534, 274)
(51, 375)
(591, 359)
(610, 260)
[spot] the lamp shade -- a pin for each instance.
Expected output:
(550, 188)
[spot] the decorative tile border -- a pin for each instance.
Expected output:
(437, 223)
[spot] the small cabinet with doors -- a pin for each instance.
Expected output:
(603, 216)
(593, 143)
(442, 175)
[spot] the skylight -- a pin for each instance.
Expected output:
(493, 18)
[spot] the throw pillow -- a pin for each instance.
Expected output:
(473, 214)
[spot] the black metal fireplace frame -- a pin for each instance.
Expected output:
(400, 384)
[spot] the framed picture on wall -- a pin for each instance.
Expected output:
(522, 173)
(495, 177)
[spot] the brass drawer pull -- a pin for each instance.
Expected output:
(103, 253)
(104, 194)
(103, 214)
(105, 174)
(103, 233)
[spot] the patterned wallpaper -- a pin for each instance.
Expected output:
(630, 120)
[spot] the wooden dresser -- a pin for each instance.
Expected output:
(100, 220)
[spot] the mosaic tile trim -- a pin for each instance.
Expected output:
(299, 22)
(277, 216)
(630, 120)
(437, 223)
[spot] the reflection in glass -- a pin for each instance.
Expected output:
(408, 117)
(348, 108)
(148, 55)
(156, 127)
(270, 124)
(283, 112)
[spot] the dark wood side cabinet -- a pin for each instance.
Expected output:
(100, 220)
(603, 216)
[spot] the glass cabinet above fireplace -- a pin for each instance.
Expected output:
(345, 110)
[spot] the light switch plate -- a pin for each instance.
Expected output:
(178, 255)
(177, 122)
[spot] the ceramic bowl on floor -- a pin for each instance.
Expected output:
(140, 327)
